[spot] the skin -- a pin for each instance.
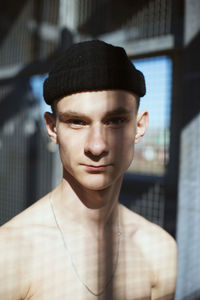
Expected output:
(96, 133)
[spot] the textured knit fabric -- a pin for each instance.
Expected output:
(90, 66)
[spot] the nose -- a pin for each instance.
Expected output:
(96, 143)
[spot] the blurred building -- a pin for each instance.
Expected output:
(32, 34)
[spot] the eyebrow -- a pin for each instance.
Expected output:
(117, 111)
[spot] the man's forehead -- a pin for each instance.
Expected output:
(108, 100)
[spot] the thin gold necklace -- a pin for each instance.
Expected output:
(70, 256)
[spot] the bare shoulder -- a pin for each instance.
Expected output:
(146, 233)
(17, 242)
(36, 214)
(159, 251)
(22, 230)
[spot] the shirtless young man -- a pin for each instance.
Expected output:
(77, 242)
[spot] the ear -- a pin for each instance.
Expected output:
(141, 125)
(50, 122)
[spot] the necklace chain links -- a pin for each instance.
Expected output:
(70, 256)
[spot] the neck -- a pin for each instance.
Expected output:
(89, 209)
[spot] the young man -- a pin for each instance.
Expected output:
(78, 242)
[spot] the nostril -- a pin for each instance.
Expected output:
(96, 150)
(95, 158)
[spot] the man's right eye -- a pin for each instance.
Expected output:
(76, 123)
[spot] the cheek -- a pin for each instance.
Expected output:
(126, 140)
(70, 146)
(126, 148)
(65, 143)
(66, 139)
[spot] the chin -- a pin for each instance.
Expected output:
(95, 186)
(95, 182)
(99, 183)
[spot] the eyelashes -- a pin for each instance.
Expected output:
(114, 122)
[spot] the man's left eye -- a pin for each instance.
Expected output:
(115, 121)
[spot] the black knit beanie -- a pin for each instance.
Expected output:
(91, 66)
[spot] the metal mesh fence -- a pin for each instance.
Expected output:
(24, 156)
(189, 213)
(141, 20)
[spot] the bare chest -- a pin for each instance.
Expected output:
(88, 272)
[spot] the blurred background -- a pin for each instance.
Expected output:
(162, 38)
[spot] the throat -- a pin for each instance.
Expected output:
(92, 209)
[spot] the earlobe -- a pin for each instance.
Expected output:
(50, 122)
(141, 125)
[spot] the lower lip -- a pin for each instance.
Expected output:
(96, 169)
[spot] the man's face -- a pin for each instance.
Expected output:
(96, 132)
